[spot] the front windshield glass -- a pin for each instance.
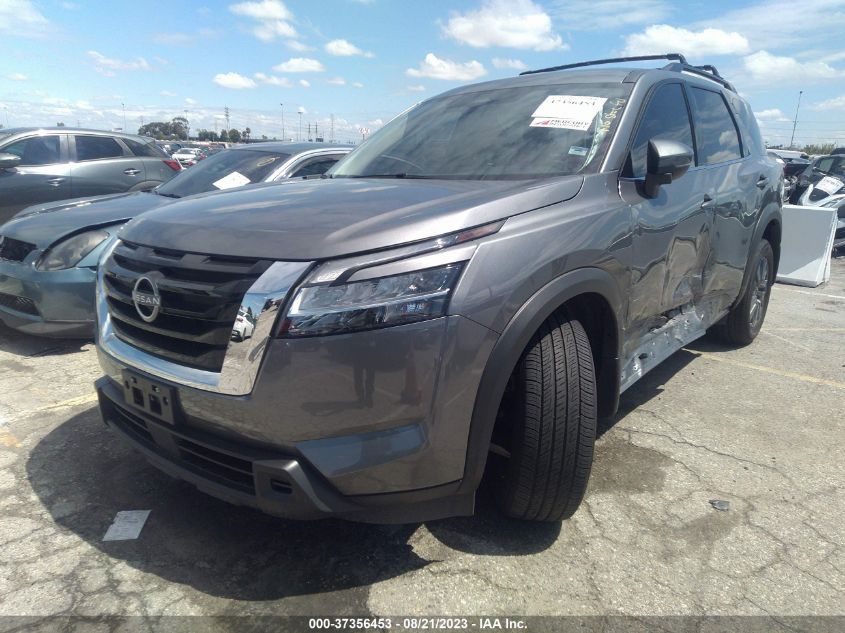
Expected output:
(507, 133)
(231, 168)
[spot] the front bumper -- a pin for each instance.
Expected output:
(275, 481)
(56, 303)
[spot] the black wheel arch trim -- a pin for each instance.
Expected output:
(771, 213)
(513, 341)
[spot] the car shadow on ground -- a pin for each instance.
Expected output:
(28, 346)
(83, 473)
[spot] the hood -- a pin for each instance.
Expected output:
(43, 225)
(320, 219)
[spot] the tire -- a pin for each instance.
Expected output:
(552, 411)
(742, 324)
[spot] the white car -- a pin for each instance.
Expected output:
(244, 326)
(188, 156)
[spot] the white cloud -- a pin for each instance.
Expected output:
(16, 77)
(437, 68)
(515, 64)
(357, 84)
(771, 115)
(304, 83)
(300, 47)
(416, 88)
(300, 65)
(272, 16)
(337, 81)
(605, 15)
(190, 102)
(765, 67)
(659, 38)
(20, 18)
(506, 23)
(272, 80)
(837, 103)
(167, 93)
(774, 23)
(234, 81)
(344, 48)
(108, 65)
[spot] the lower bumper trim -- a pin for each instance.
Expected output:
(275, 483)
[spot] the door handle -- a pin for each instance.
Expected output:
(762, 182)
(55, 182)
(131, 171)
(708, 202)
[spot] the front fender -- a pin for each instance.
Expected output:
(513, 341)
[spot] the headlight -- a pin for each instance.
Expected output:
(374, 303)
(69, 253)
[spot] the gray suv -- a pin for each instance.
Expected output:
(48, 164)
(465, 293)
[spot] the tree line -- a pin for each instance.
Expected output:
(177, 129)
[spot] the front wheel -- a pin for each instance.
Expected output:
(551, 411)
(743, 322)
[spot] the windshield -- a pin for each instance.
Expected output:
(230, 168)
(508, 133)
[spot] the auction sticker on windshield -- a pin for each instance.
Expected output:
(235, 179)
(829, 185)
(571, 112)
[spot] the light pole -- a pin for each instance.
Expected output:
(122, 105)
(283, 120)
(795, 122)
(301, 111)
(187, 128)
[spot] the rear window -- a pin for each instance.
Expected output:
(144, 149)
(97, 148)
(228, 169)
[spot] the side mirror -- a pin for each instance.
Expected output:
(7, 161)
(667, 161)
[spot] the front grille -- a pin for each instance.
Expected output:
(200, 297)
(20, 304)
(220, 467)
(227, 469)
(13, 250)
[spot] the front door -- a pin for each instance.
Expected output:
(43, 175)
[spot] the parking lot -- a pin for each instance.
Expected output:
(760, 428)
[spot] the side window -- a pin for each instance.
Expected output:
(36, 150)
(97, 147)
(665, 117)
(315, 167)
(715, 130)
(143, 149)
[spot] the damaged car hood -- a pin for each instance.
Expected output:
(319, 219)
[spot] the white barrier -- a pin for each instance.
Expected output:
(805, 245)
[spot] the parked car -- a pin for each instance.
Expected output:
(825, 176)
(48, 164)
(244, 325)
(49, 253)
(837, 202)
(471, 287)
(188, 156)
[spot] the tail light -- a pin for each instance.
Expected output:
(173, 164)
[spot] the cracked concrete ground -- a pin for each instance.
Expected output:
(760, 427)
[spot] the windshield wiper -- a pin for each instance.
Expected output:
(166, 195)
(400, 174)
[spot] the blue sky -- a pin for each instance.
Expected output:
(363, 61)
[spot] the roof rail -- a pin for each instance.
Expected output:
(707, 70)
(616, 60)
(679, 64)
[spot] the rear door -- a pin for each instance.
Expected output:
(671, 238)
(734, 180)
(156, 171)
(101, 164)
(43, 174)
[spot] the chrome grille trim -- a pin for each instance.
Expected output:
(242, 360)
